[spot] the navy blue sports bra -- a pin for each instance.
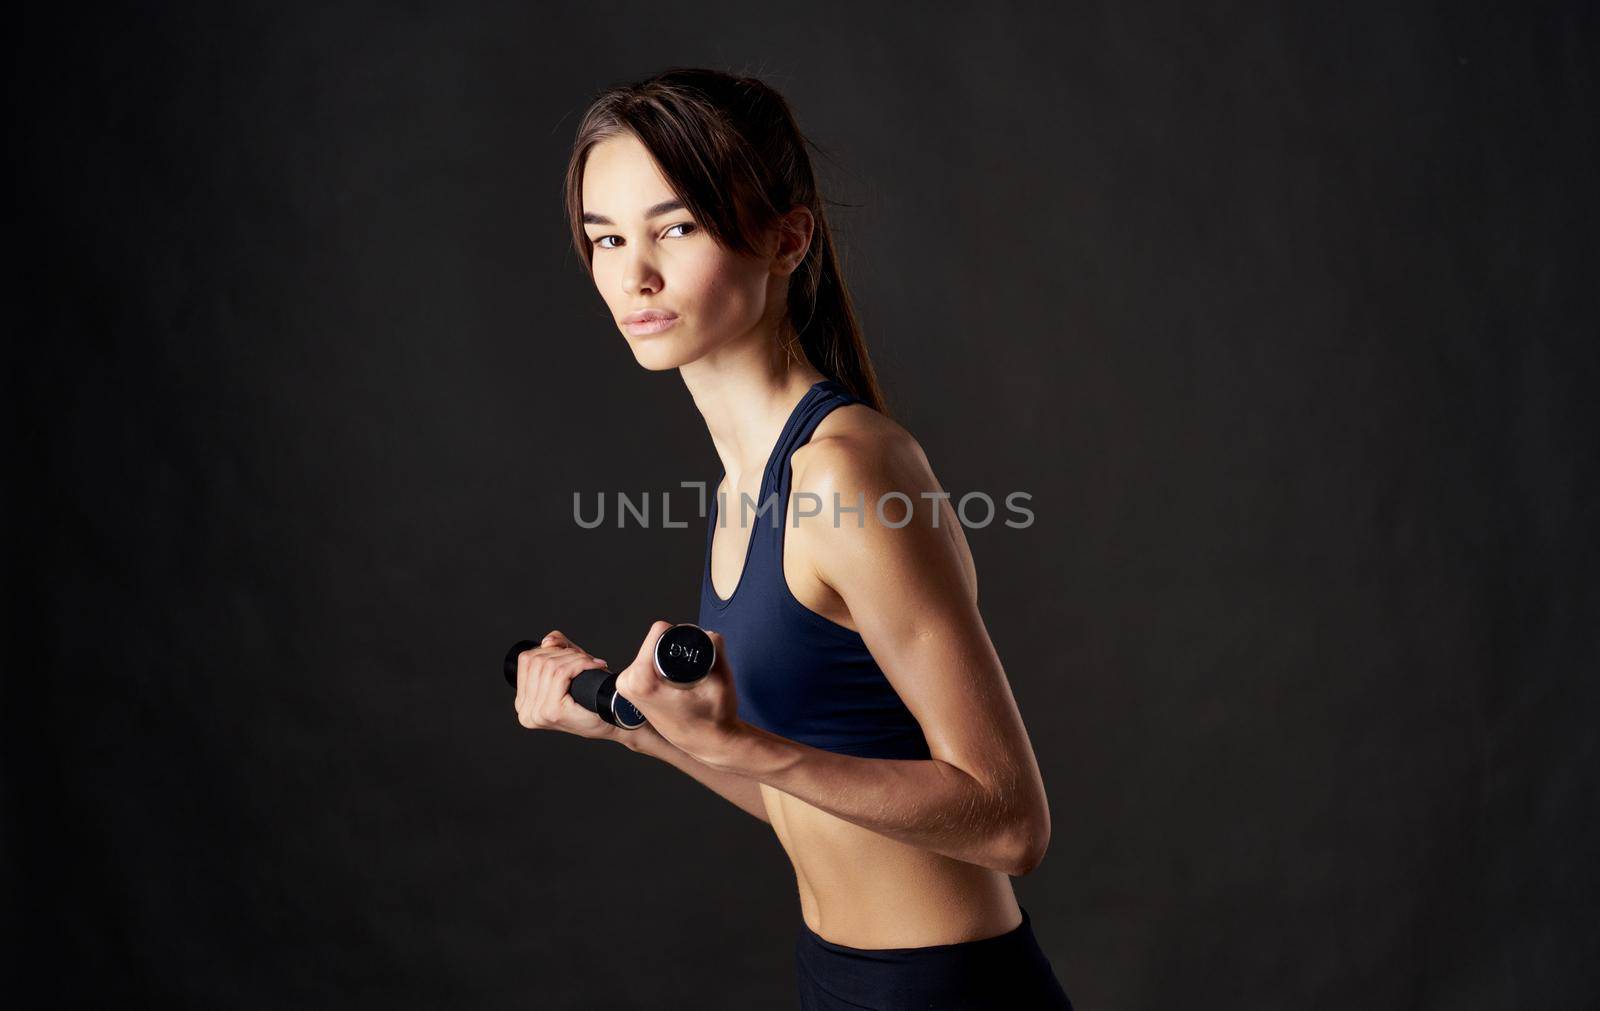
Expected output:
(798, 674)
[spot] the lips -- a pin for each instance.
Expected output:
(651, 325)
(646, 315)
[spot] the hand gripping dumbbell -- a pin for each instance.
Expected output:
(683, 655)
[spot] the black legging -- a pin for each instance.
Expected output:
(1007, 971)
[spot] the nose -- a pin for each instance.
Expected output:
(640, 277)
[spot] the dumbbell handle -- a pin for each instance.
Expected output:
(683, 655)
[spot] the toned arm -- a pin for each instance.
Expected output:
(739, 790)
(980, 798)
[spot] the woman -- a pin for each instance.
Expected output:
(857, 704)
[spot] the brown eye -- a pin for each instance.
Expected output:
(600, 243)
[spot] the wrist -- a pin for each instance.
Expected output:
(733, 751)
(758, 754)
(644, 739)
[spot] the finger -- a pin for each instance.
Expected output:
(524, 664)
(647, 648)
(556, 638)
(526, 681)
(538, 682)
(632, 679)
(570, 711)
(550, 679)
(531, 678)
(539, 685)
(559, 684)
(523, 711)
(527, 672)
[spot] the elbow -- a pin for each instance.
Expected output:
(1027, 846)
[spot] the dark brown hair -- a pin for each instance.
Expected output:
(730, 149)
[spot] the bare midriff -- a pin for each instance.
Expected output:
(864, 890)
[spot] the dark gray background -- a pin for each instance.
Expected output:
(1284, 314)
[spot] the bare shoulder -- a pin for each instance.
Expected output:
(856, 449)
(857, 455)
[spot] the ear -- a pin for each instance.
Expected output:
(795, 230)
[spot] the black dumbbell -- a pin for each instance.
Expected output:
(683, 655)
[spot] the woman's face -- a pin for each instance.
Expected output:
(649, 253)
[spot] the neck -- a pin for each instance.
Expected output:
(745, 394)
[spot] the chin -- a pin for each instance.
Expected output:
(661, 355)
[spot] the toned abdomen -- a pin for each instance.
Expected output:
(865, 890)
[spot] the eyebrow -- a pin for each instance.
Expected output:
(664, 207)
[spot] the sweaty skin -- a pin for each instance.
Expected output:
(858, 887)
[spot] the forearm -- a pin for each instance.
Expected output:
(926, 803)
(741, 791)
